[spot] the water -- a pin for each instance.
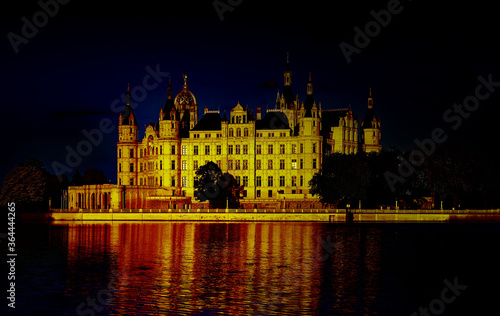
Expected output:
(194, 268)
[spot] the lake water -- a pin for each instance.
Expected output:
(202, 268)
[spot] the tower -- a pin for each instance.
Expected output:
(287, 103)
(185, 103)
(128, 130)
(371, 135)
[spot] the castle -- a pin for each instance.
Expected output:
(273, 156)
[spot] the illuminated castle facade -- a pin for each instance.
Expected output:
(273, 156)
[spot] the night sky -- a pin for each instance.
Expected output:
(67, 76)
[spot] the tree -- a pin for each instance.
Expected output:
(343, 178)
(216, 187)
(76, 179)
(27, 186)
(94, 176)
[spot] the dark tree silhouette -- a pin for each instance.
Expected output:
(27, 186)
(94, 176)
(342, 179)
(216, 187)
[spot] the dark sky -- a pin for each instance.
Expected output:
(66, 77)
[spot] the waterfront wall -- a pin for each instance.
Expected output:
(310, 215)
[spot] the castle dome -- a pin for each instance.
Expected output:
(184, 99)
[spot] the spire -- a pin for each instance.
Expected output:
(309, 86)
(127, 95)
(185, 86)
(370, 100)
(288, 73)
(169, 88)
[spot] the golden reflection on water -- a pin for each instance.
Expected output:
(226, 268)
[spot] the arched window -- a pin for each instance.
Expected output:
(238, 132)
(245, 132)
(230, 132)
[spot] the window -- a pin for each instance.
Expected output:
(237, 165)
(141, 182)
(156, 150)
(195, 165)
(219, 163)
(301, 148)
(184, 182)
(301, 163)
(161, 150)
(245, 132)
(259, 149)
(119, 167)
(294, 149)
(237, 178)
(140, 152)
(282, 181)
(173, 164)
(245, 149)
(141, 166)
(270, 193)
(270, 181)
(230, 165)
(208, 135)
(294, 163)
(294, 181)
(120, 181)
(219, 149)
(314, 163)
(238, 132)
(173, 150)
(245, 181)
(282, 148)
(207, 150)
(257, 165)
(314, 148)
(184, 150)
(195, 150)
(238, 149)
(259, 181)
(161, 165)
(258, 193)
(230, 132)
(282, 163)
(184, 165)
(301, 180)
(270, 164)
(172, 181)
(119, 153)
(131, 181)
(270, 149)
(230, 149)
(131, 153)
(270, 135)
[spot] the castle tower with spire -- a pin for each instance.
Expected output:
(370, 129)
(287, 103)
(128, 131)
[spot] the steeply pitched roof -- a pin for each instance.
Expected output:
(273, 120)
(209, 122)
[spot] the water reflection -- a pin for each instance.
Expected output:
(223, 268)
